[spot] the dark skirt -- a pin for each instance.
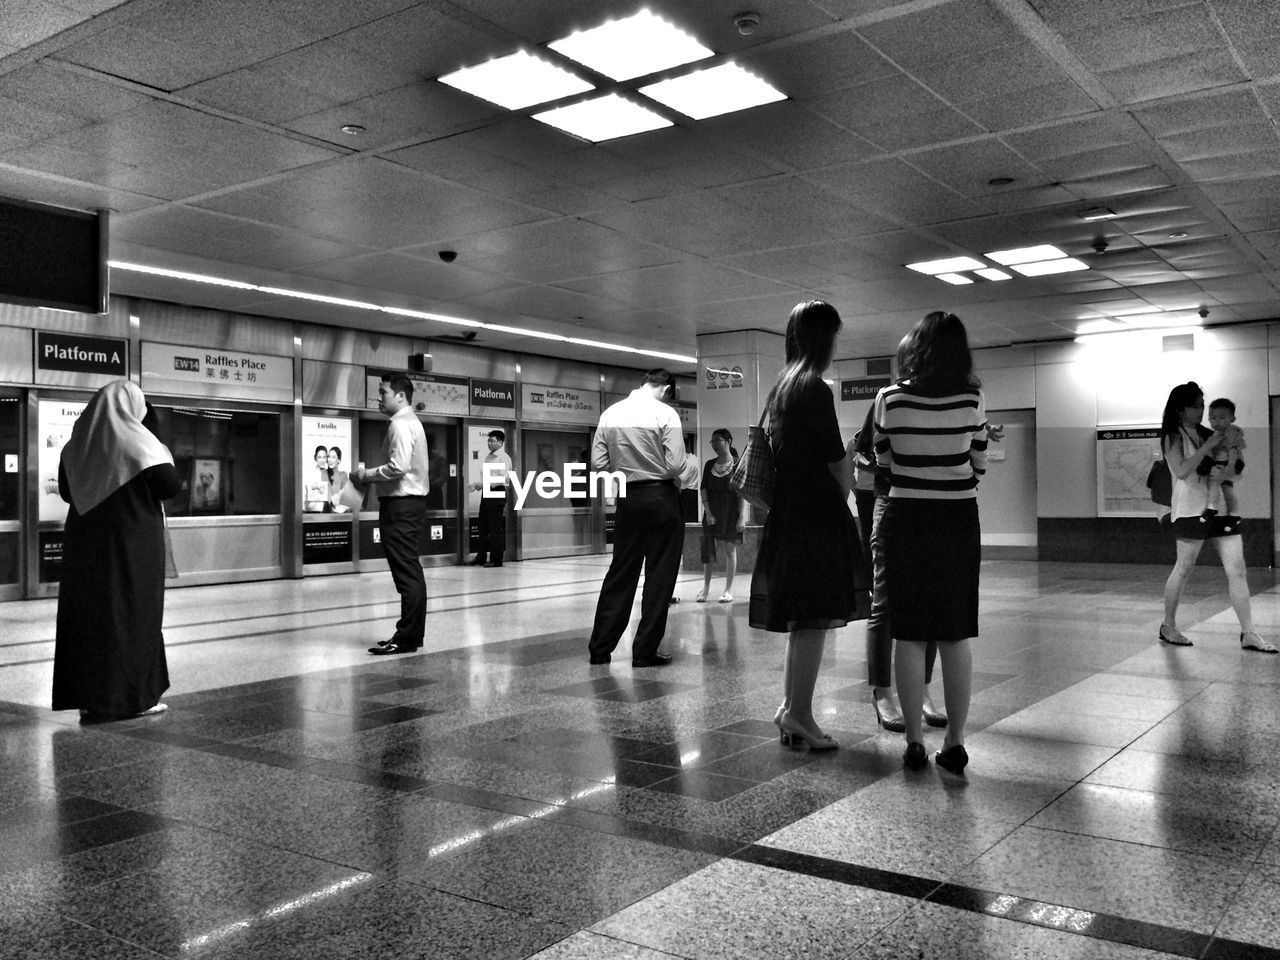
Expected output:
(932, 551)
(810, 572)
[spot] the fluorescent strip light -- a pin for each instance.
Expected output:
(956, 278)
(1046, 267)
(1007, 258)
(991, 273)
(516, 81)
(603, 118)
(633, 47)
(1097, 213)
(709, 93)
(1098, 326)
(950, 265)
(1154, 321)
(396, 311)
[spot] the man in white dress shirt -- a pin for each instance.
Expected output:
(402, 507)
(642, 437)
(494, 470)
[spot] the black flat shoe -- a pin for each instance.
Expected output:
(953, 759)
(595, 661)
(914, 757)
(657, 660)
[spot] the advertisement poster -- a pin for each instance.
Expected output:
(1125, 456)
(55, 420)
(324, 463)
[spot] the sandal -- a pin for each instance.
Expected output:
(701, 597)
(726, 597)
(1251, 641)
(1173, 637)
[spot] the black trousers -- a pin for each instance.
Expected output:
(649, 533)
(493, 528)
(400, 521)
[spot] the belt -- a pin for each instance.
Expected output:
(648, 483)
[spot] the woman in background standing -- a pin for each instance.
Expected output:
(723, 517)
(109, 657)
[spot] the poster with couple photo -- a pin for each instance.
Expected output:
(207, 481)
(325, 465)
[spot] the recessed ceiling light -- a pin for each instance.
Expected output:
(1179, 235)
(956, 278)
(352, 129)
(603, 118)
(711, 92)
(633, 47)
(991, 273)
(1097, 213)
(1044, 267)
(949, 265)
(1000, 181)
(1025, 255)
(516, 81)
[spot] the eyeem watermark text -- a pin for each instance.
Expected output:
(572, 481)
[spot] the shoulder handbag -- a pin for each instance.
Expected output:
(754, 474)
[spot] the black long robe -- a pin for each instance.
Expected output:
(109, 654)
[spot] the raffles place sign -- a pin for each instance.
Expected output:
(559, 404)
(206, 372)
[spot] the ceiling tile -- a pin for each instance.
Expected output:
(558, 250)
(966, 167)
(790, 134)
(404, 274)
(1031, 106)
(423, 40)
(1088, 135)
(819, 66)
(60, 91)
(1231, 108)
(876, 102)
(983, 74)
(1253, 164)
(229, 239)
(936, 33)
(1176, 75)
(893, 189)
(411, 112)
(31, 21)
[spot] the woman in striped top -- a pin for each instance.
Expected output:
(931, 433)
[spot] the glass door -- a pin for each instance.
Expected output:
(553, 523)
(11, 453)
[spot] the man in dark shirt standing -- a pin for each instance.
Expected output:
(641, 437)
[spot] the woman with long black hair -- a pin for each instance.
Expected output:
(1185, 442)
(810, 576)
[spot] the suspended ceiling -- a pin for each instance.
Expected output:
(212, 131)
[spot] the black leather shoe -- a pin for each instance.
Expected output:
(657, 660)
(477, 562)
(914, 757)
(598, 660)
(392, 648)
(953, 759)
(492, 564)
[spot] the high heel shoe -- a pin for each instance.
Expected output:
(953, 759)
(798, 731)
(891, 723)
(933, 716)
(914, 757)
(783, 737)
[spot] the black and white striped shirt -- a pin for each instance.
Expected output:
(935, 447)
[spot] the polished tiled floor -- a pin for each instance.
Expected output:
(495, 796)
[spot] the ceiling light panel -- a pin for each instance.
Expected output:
(711, 92)
(959, 279)
(1008, 258)
(1046, 267)
(516, 81)
(603, 118)
(949, 265)
(991, 273)
(632, 47)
